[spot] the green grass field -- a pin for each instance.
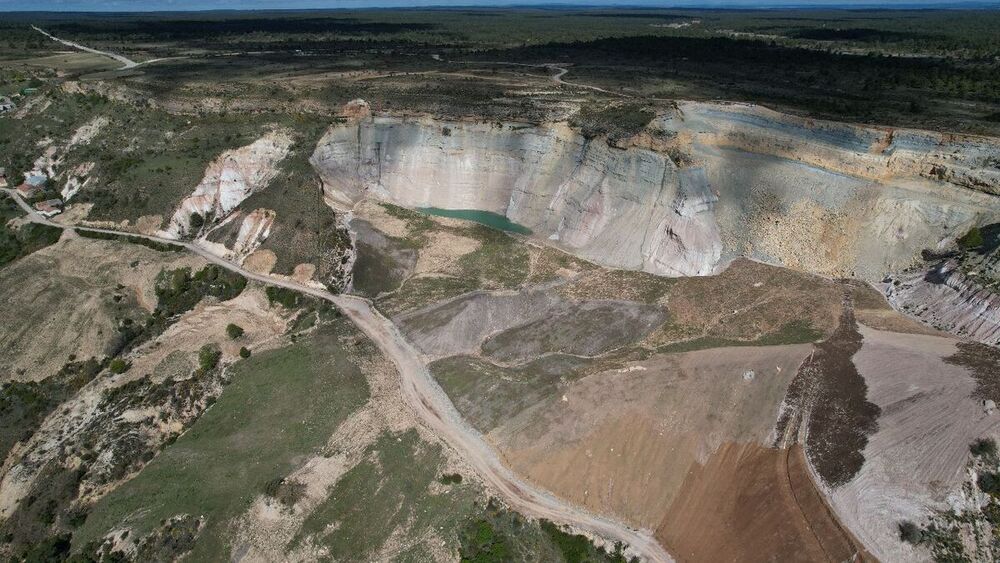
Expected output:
(390, 490)
(283, 404)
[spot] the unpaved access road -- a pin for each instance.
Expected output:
(433, 407)
(557, 77)
(127, 63)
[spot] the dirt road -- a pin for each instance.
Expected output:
(127, 63)
(557, 77)
(434, 408)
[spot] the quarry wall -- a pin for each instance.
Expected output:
(703, 184)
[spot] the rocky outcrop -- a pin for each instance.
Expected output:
(624, 208)
(950, 299)
(229, 180)
(704, 184)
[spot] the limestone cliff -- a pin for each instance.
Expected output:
(704, 184)
(229, 180)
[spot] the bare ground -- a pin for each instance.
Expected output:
(62, 300)
(623, 440)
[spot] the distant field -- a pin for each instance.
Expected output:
(929, 68)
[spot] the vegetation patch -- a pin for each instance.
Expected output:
(488, 395)
(25, 240)
(617, 121)
(498, 535)
(282, 404)
(829, 387)
(388, 492)
(133, 239)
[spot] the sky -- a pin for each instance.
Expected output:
(171, 5)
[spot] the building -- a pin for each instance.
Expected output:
(49, 207)
(6, 105)
(27, 191)
(3, 177)
(36, 179)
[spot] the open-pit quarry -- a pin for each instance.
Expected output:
(687, 330)
(736, 335)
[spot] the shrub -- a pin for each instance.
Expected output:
(989, 483)
(450, 479)
(983, 447)
(118, 365)
(283, 296)
(197, 222)
(910, 532)
(234, 331)
(208, 357)
(971, 239)
(244, 352)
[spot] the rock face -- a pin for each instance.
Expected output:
(704, 184)
(230, 179)
(950, 299)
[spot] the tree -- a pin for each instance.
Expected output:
(910, 532)
(234, 331)
(971, 239)
(118, 365)
(244, 352)
(197, 221)
(208, 357)
(983, 447)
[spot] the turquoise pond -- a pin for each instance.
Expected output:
(487, 218)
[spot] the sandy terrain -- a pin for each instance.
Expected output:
(623, 440)
(59, 301)
(917, 457)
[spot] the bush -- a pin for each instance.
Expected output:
(118, 365)
(285, 297)
(208, 357)
(989, 483)
(910, 532)
(244, 352)
(197, 222)
(451, 479)
(971, 239)
(234, 331)
(983, 447)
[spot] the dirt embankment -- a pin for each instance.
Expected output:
(753, 503)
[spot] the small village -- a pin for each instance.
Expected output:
(34, 190)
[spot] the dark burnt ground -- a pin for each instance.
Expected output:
(983, 362)
(830, 396)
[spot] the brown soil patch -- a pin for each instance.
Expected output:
(148, 224)
(752, 503)
(622, 441)
(67, 299)
(891, 321)
(261, 261)
(304, 272)
(750, 299)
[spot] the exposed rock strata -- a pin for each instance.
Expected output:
(948, 298)
(828, 198)
(229, 180)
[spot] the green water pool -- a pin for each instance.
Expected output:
(488, 218)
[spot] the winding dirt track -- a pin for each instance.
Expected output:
(432, 406)
(557, 77)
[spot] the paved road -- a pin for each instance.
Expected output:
(430, 403)
(127, 63)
